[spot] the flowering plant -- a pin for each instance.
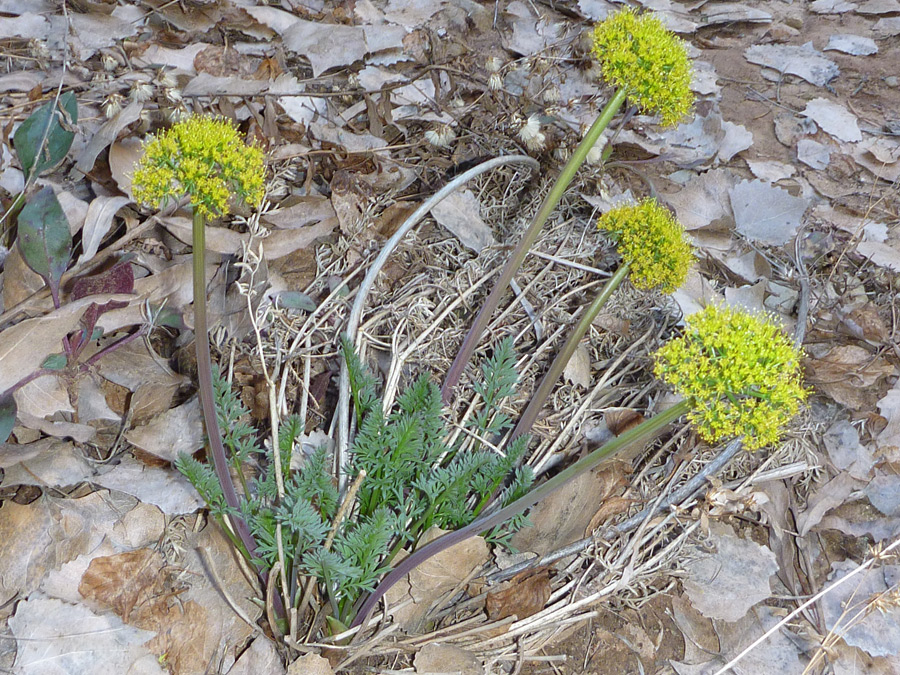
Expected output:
(650, 67)
(739, 372)
(640, 56)
(205, 159)
(739, 375)
(655, 254)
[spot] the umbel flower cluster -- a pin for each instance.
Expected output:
(204, 158)
(740, 373)
(652, 242)
(638, 54)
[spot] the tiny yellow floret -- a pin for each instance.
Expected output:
(202, 157)
(636, 52)
(652, 242)
(740, 372)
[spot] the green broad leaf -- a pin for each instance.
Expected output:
(54, 362)
(45, 240)
(7, 416)
(296, 300)
(336, 626)
(61, 117)
(166, 316)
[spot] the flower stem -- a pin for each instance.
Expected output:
(207, 397)
(643, 431)
(540, 396)
(518, 255)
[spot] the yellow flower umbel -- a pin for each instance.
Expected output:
(204, 158)
(655, 254)
(739, 373)
(649, 66)
(651, 242)
(639, 55)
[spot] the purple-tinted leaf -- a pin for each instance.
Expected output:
(7, 416)
(117, 279)
(45, 240)
(61, 118)
(89, 321)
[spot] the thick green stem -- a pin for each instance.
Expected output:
(207, 397)
(518, 255)
(542, 393)
(642, 432)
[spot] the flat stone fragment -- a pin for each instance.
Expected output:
(856, 45)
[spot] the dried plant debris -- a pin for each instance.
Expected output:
(790, 155)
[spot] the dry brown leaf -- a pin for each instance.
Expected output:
(610, 508)
(27, 551)
(390, 220)
(310, 664)
(435, 658)
(13, 453)
(620, 420)
(564, 516)
(460, 213)
(218, 239)
(24, 347)
(298, 212)
(727, 575)
(150, 400)
(81, 433)
(578, 369)
(123, 155)
(27, 280)
(106, 135)
(167, 489)
(888, 440)
(43, 397)
(56, 464)
(828, 496)
(523, 595)
(848, 374)
(131, 584)
(60, 637)
(262, 657)
(97, 224)
(436, 576)
(133, 367)
(864, 323)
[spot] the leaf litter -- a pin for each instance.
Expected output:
(823, 168)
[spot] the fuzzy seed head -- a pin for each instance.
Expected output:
(112, 104)
(166, 79)
(141, 90)
(652, 241)
(637, 53)
(495, 82)
(740, 372)
(205, 158)
(441, 137)
(531, 135)
(109, 62)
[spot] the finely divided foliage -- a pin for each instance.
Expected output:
(414, 480)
